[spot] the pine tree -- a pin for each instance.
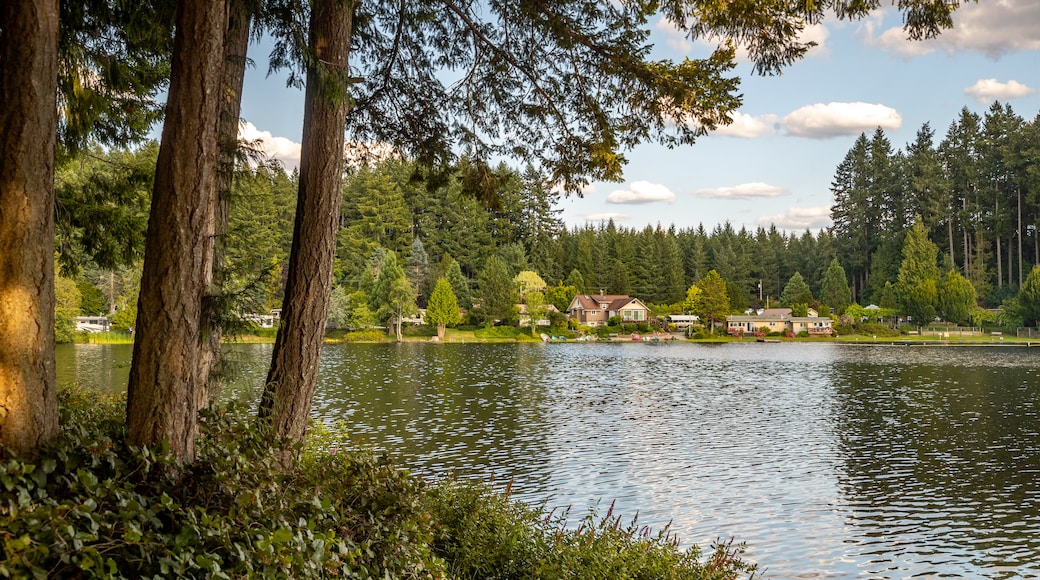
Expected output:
(796, 291)
(917, 284)
(497, 293)
(835, 291)
(419, 269)
(443, 309)
(459, 284)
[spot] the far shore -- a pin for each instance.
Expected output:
(454, 336)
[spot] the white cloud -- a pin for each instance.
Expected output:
(993, 28)
(602, 217)
(817, 33)
(747, 127)
(673, 37)
(285, 150)
(821, 121)
(986, 91)
(799, 218)
(743, 191)
(642, 192)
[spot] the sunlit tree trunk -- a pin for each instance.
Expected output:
(291, 381)
(28, 129)
(236, 47)
(167, 381)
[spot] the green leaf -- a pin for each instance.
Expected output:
(282, 535)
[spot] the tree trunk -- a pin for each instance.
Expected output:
(236, 47)
(967, 253)
(1019, 236)
(996, 227)
(166, 378)
(28, 129)
(286, 402)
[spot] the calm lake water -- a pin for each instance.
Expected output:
(830, 461)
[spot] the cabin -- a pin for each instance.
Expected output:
(525, 315)
(93, 323)
(598, 309)
(682, 321)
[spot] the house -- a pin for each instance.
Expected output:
(814, 325)
(752, 324)
(779, 322)
(598, 309)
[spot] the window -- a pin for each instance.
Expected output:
(632, 315)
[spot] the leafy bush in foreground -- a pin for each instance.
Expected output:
(92, 507)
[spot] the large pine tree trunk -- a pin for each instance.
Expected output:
(236, 47)
(28, 129)
(286, 402)
(167, 381)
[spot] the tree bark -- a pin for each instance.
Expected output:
(166, 379)
(28, 132)
(236, 48)
(286, 402)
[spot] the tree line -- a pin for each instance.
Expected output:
(431, 226)
(976, 192)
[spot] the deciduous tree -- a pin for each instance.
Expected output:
(1029, 297)
(956, 300)
(714, 300)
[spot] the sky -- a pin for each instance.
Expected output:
(774, 164)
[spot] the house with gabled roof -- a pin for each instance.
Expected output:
(779, 320)
(598, 309)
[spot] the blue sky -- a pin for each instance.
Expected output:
(775, 163)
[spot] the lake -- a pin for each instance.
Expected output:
(829, 460)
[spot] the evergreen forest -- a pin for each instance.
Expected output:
(974, 192)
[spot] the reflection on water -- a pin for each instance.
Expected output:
(831, 461)
(105, 367)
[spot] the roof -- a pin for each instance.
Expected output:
(753, 318)
(614, 302)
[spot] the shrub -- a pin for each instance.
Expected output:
(93, 507)
(481, 534)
